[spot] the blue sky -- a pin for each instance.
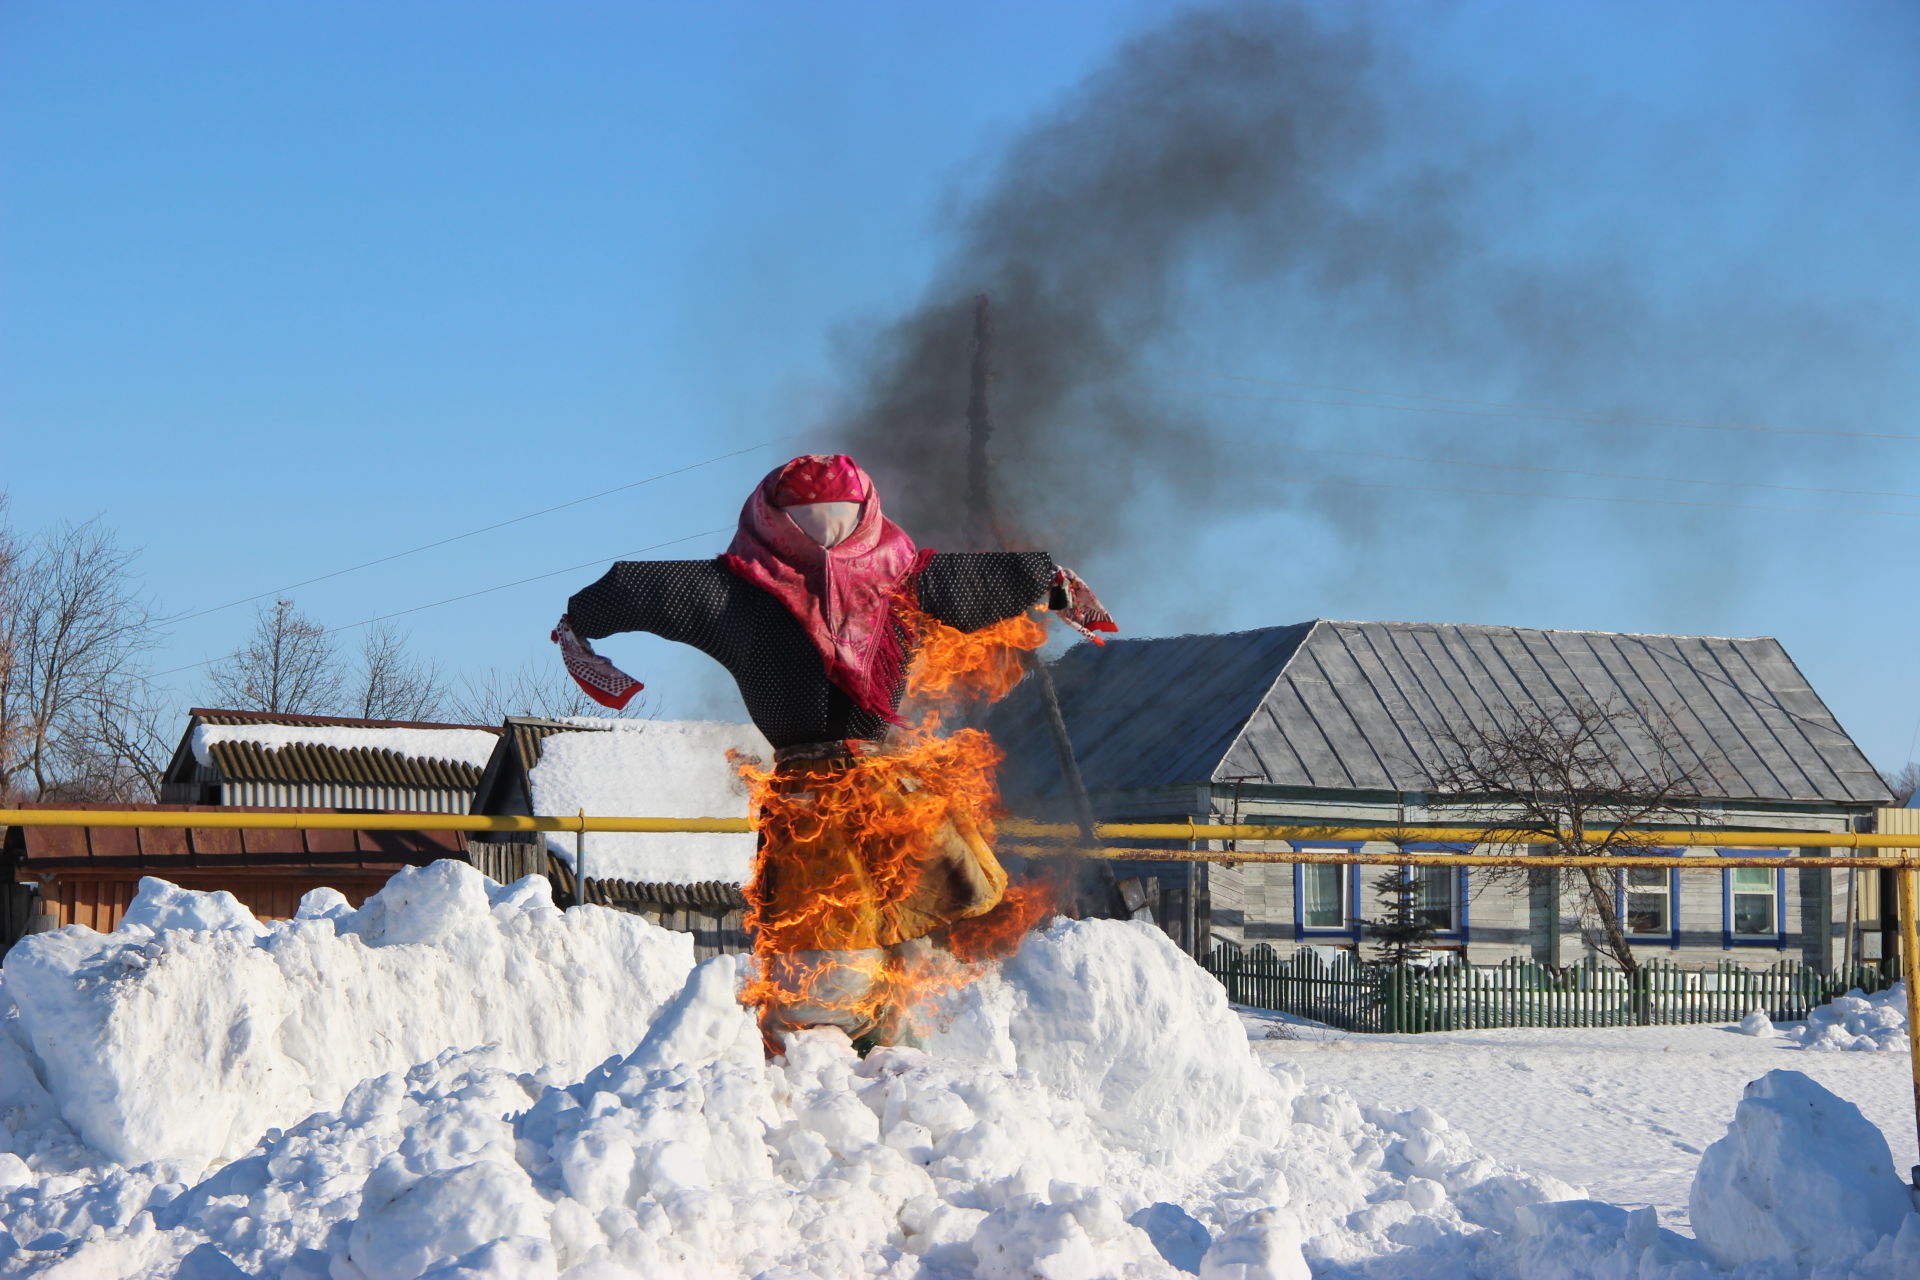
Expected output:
(293, 286)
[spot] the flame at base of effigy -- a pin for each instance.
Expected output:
(876, 889)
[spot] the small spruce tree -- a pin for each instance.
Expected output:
(1399, 932)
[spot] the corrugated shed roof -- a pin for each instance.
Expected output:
(1355, 706)
(322, 762)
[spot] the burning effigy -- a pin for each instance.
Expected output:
(849, 644)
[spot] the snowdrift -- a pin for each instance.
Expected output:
(1858, 1022)
(1091, 1110)
(193, 1029)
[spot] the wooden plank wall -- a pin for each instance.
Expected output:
(99, 903)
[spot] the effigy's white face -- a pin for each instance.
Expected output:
(827, 523)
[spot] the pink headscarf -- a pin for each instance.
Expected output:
(843, 596)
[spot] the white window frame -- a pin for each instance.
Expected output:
(1343, 874)
(1772, 893)
(1450, 877)
(1664, 889)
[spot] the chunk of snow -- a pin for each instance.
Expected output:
(187, 1044)
(461, 746)
(1756, 1023)
(1801, 1178)
(650, 768)
(1858, 1022)
(159, 905)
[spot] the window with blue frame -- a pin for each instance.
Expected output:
(1753, 902)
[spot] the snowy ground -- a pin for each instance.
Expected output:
(1622, 1112)
(459, 1081)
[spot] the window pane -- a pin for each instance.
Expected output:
(1753, 913)
(1646, 876)
(1321, 906)
(1647, 912)
(1757, 879)
(1433, 895)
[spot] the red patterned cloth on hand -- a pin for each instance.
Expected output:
(605, 683)
(1076, 605)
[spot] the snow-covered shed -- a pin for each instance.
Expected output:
(640, 768)
(277, 760)
(1328, 721)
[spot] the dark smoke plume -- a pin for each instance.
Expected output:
(1249, 133)
(1291, 159)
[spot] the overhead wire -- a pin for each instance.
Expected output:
(470, 533)
(483, 591)
(1505, 409)
(1621, 475)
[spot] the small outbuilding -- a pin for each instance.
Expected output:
(88, 875)
(646, 768)
(276, 760)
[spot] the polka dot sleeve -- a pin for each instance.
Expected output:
(969, 590)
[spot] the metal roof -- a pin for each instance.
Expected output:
(508, 770)
(316, 762)
(1354, 707)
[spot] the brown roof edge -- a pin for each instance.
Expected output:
(217, 714)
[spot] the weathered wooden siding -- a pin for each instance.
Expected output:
(100, 903)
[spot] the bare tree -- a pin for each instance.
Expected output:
(74, 634)
(392, 685)
(527, 690)
(1903, 782)
(1590, 778)
(289, 664)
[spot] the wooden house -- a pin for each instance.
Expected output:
(1334, 723)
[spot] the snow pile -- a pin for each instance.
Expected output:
(194, 1028)
(1756, 1023)
(654, 769)
(1803, 1185)
(1091, 1111)
(462, 746)
(1858, 1022)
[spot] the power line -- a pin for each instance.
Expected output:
(1579, 497)
(520, 582)
(1612, 475)
(428, 546)
(1497, 408)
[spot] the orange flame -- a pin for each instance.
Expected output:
(864, 853)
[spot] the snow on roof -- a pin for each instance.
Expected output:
(471, 747)
(657, 769)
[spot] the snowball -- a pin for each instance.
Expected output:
(1756, 1024)
(1801, 1177)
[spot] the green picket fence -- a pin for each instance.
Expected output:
(1363, 996)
